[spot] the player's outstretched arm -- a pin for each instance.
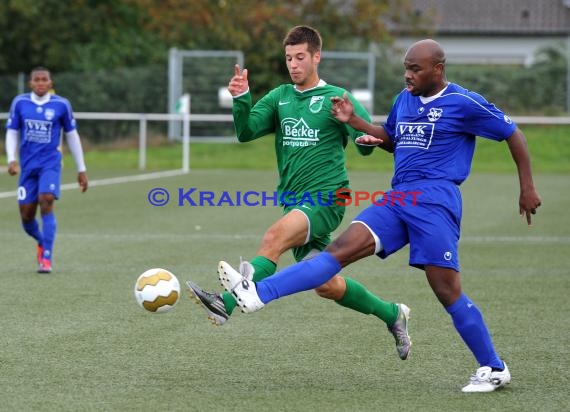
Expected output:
(529, 199)
(343, 110)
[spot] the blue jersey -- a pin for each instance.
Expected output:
(434, 137)
(40, 126)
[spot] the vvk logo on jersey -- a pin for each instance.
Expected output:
(49, 114)
(316, 104)
(434, 114)
(414, 135)
(38, 131)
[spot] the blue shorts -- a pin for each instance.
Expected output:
(38, 180)
(425, 214)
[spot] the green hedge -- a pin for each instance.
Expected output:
(536, 90)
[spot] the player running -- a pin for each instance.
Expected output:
(36, 121)
(309, 143)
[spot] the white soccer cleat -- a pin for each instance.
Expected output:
(400, 331)
(487, 380)
(244, 290)
(246, 269)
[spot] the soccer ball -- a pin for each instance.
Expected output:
(157, 290)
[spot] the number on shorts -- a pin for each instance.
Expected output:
(21, 193)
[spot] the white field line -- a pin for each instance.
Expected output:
(199, 234)
(515, 239)
(110, 181)
(218, 237)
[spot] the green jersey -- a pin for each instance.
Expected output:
(309, 141)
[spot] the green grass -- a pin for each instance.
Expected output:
(75, 340)
(549, 146)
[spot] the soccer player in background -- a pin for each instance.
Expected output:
(431, 130)
(309, 144)
(35, 123)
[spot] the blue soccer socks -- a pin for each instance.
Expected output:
(49, 227)
(305, 275)
(33, 229)
(468, 321)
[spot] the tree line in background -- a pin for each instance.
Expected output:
(111, 55)
(87, 35)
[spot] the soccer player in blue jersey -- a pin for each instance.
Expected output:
(431, 130)
(35, 124)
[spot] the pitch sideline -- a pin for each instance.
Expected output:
(111, 181)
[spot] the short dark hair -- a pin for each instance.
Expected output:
(304, 34)
(39, 69)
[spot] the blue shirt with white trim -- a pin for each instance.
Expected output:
(434, 137)
(40, 122)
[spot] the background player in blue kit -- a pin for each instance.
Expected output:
(431, 130)
(36, 121)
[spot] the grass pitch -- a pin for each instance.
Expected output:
(75, 340)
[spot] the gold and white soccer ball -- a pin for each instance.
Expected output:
(157, 290)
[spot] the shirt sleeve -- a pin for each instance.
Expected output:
(11, 145)
(69, 122)
(76, 149)
(14, 120)
(252, 123)
(354, 134)
(486, 120)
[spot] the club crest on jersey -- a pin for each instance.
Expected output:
(49, 114)
(434, 114)
(316, 104)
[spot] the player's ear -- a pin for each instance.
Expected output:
(439, 68)
(317, 57)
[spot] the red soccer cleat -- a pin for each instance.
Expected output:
(44, 266)
(40, 254)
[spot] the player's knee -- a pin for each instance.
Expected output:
(46, 207)
(324, 291)
(342, 251)
(336, 248)
(46, 199)
(446, 285)
(26, 217)
(334, 289)
(27, 213)
(271, 237)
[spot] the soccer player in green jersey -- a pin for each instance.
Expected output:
(309, 143)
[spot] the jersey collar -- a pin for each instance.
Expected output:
(426, 100)
(40, 100)
(321, 83)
